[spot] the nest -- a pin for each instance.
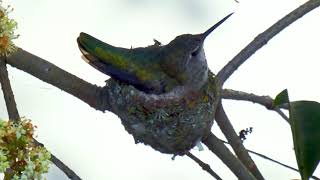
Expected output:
(171, 123)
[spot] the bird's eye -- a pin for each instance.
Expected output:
(196, 52)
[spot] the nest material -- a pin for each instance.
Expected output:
(171, 123)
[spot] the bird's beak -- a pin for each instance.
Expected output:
(207, 32)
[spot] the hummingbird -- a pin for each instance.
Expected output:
(154, 69)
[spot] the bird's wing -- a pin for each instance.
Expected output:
(132, 66)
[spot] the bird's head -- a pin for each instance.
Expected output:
(185, 58)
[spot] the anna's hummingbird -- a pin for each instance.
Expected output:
(154, 69)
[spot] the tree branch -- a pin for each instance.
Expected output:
(265, 101)
(263, 38)
(236, 62)
(219, 149)
(47, 72)
(204, 166)
(7, 92)
(14, 116)
(94, 96)
(235, 142)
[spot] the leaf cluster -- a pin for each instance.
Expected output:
(20, 157)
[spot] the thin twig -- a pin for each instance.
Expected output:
(204, 166)
(226, 156)
(64, 168)
(284, 116)
(272, 160)
(264, 37)
(280, 163)
(14, 116)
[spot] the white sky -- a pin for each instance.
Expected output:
(95, 144)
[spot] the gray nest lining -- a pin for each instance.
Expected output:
(171, 123)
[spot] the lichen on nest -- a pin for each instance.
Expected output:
(171, 123)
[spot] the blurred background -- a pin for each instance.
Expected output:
(95, 144)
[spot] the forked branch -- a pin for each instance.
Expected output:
(235, 63)
(14, 116)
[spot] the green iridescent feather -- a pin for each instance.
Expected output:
(138, 66)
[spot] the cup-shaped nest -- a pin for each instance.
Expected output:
(171, 123)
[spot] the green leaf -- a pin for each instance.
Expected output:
(281, 98)
(305, 126)
(304, 117)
